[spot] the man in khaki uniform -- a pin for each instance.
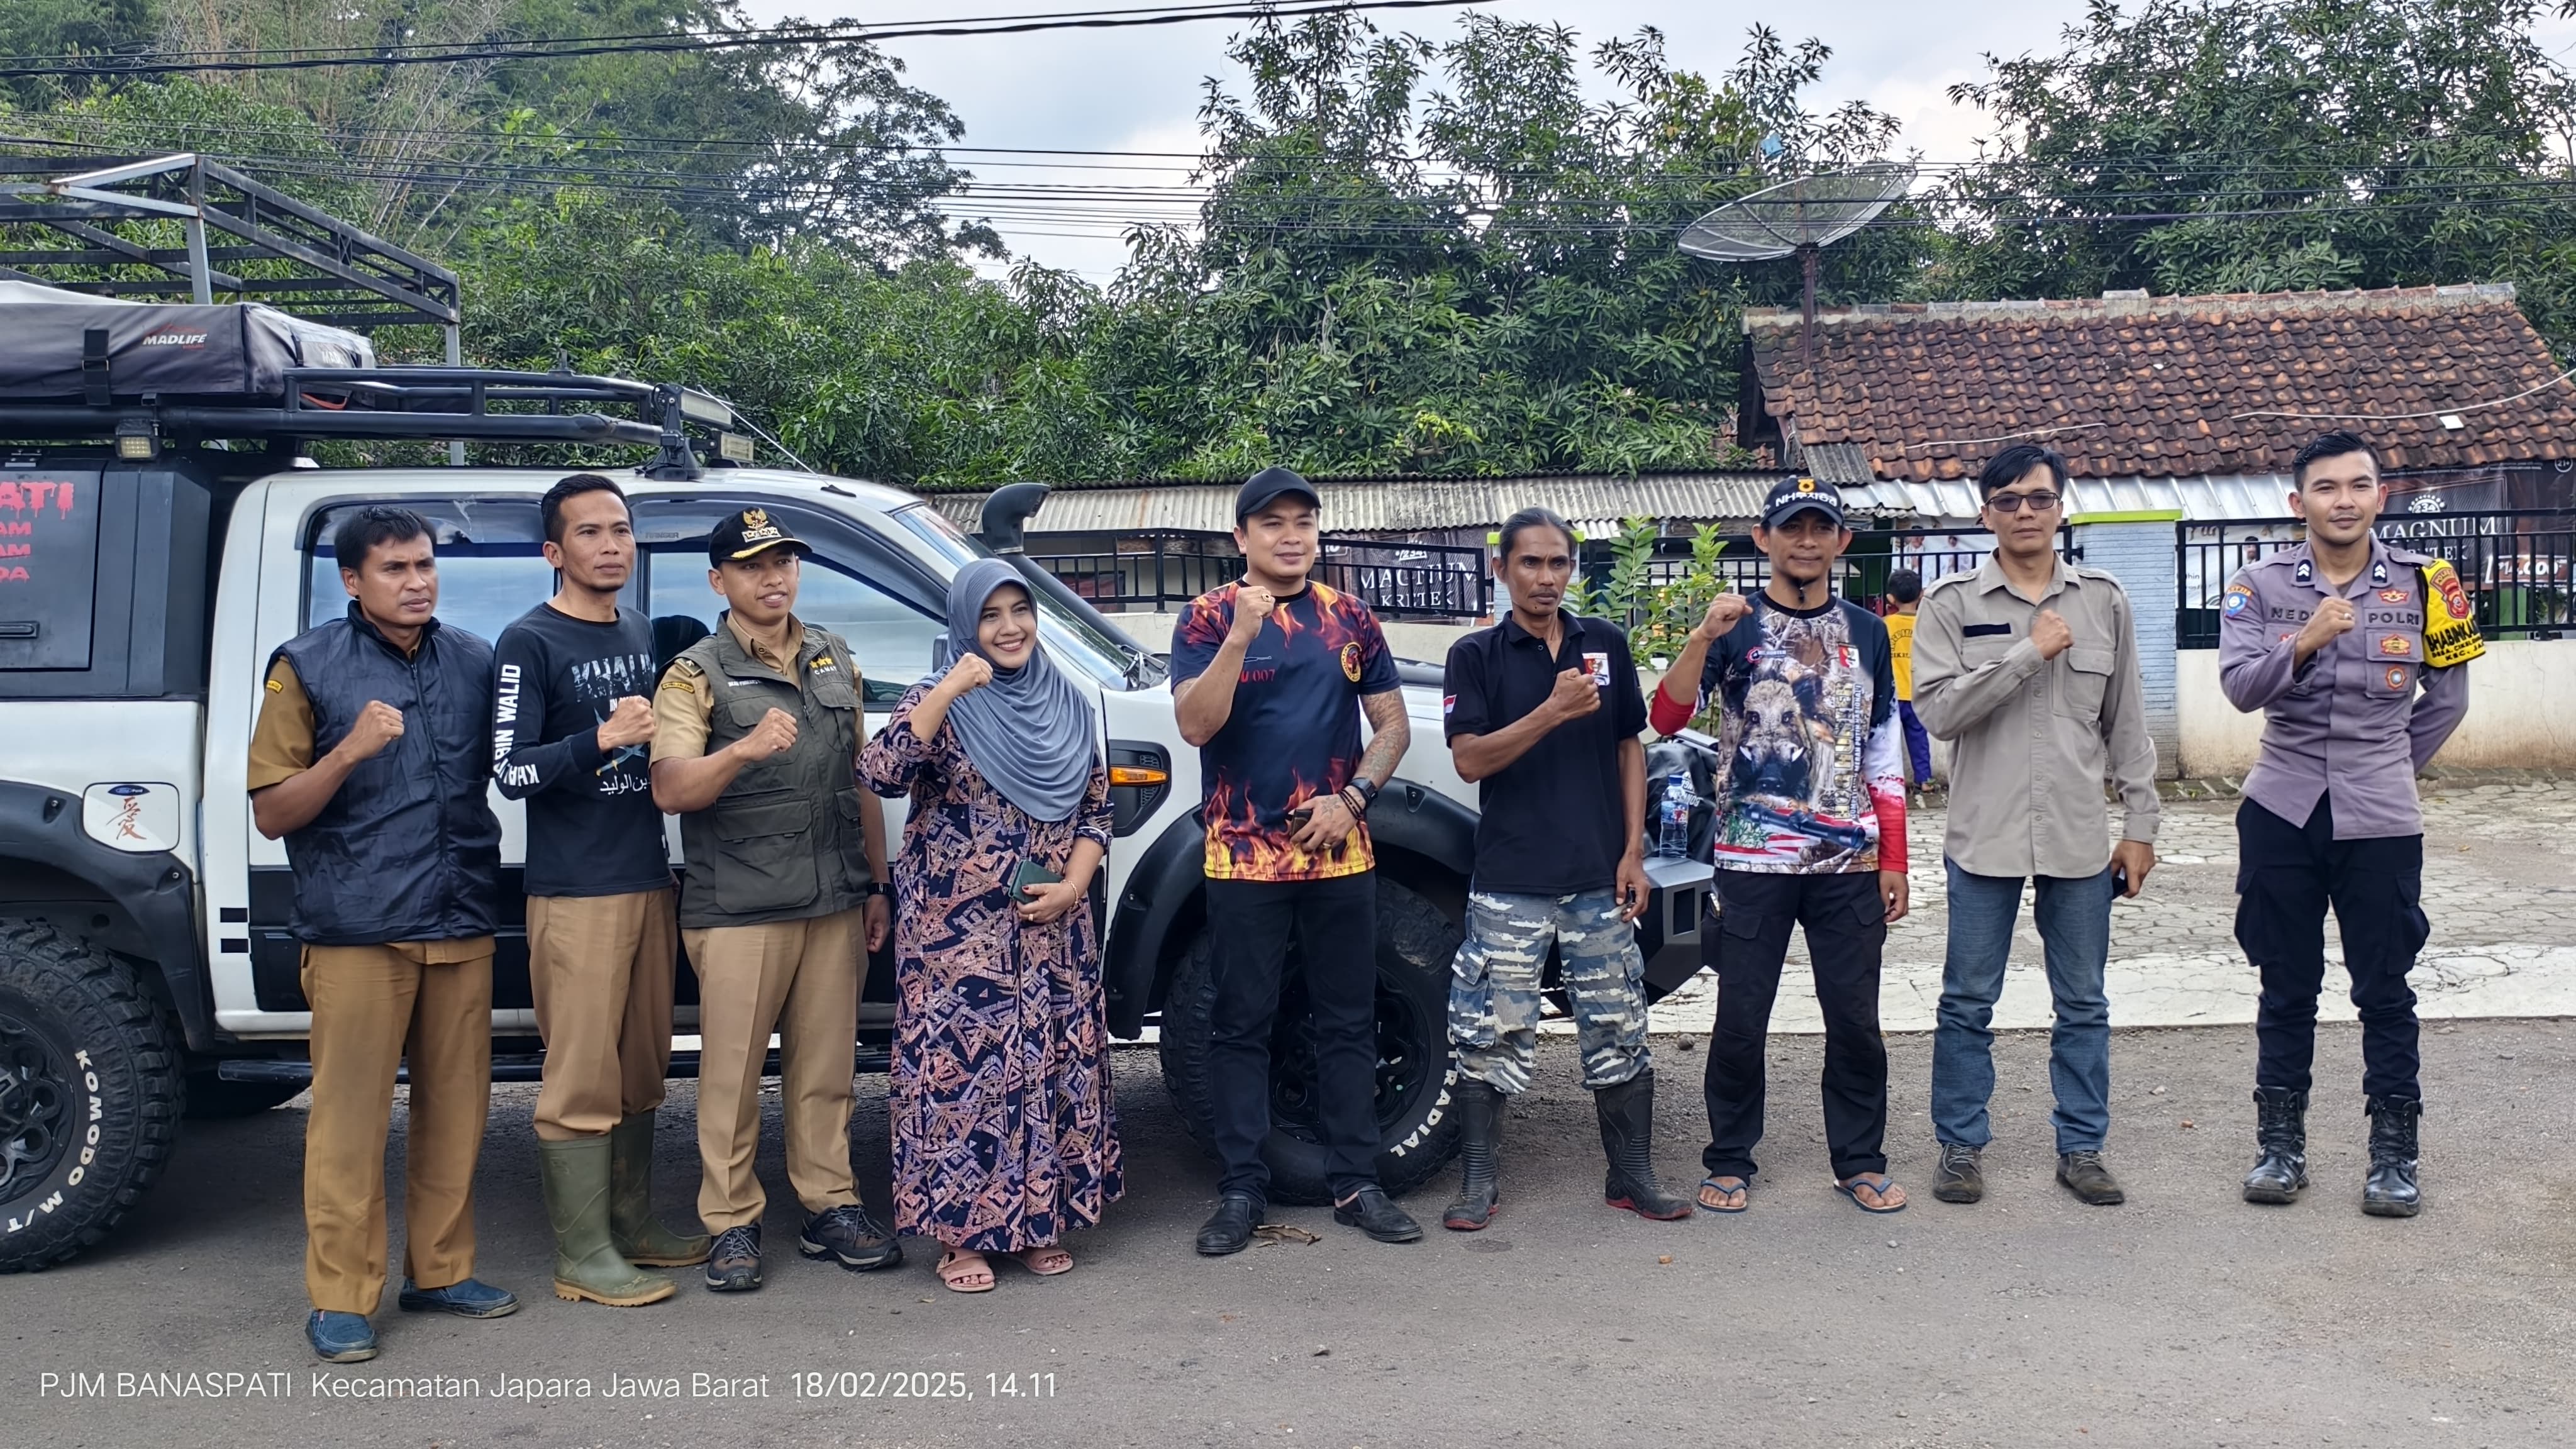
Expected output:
(755, 746)
(369, 759)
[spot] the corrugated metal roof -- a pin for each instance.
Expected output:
(1593, 502)
(2226, 498)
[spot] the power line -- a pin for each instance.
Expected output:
(151, 64)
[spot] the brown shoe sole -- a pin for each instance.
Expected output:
(575, 1293)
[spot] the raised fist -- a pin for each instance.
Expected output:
(629, 723)
(2332, 620)
(774, 735)
(1252, 604)
(379, 725)
(1575, 695)
(968, 674)
(1723, 613)
(2050, 632)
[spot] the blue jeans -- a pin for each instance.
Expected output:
(2074, 918)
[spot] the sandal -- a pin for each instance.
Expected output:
(1716, 1183)
(1878, 1184)
(965, 1272)
(1046, 1260)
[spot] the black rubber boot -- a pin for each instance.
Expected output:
(2281, 1135)
(1480, 1143)
(1627, 1113)
(2390, 1191)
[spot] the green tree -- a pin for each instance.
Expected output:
(2190, 146)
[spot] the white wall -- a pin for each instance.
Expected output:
(1426, 642)
(2522, 713)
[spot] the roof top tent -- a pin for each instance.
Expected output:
(86, 210)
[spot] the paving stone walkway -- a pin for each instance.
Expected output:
(2499, 885)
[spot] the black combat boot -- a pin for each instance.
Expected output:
(1480, 1142)
(1627, 1113)
(2390, 1190)
(2281, 1132)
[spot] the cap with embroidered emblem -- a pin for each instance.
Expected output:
(751, 532)
(1792, 496)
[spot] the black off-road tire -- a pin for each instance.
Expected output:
(1416, 943)
(212, 1099)
(90, 1090)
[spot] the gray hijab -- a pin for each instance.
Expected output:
(1032, 730)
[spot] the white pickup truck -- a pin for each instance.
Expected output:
(146, 972)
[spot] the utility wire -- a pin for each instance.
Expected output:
(151, 64)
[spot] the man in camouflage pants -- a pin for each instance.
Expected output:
(1544, 711)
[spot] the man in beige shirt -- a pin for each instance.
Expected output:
(2029, 667)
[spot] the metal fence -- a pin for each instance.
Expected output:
(1861, 573)
(2515, 562)
(1152, 569)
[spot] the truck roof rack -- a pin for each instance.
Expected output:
(387, 403)
(306, 260)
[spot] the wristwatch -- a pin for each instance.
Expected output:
(1368, 792)
(878, 888)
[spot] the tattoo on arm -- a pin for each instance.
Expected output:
(1390, 735)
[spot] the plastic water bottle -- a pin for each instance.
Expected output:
(1672, 839)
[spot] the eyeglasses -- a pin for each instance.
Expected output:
(2016, 502)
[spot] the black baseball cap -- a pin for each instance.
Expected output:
(1268, 484)
(738, 536)
(1792, 496)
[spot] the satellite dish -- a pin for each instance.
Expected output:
(1798, 218)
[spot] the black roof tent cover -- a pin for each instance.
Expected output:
(61, 345)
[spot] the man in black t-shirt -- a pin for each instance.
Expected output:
(1544, 712)
(572, 733)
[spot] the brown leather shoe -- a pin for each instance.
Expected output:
(2091, 1182)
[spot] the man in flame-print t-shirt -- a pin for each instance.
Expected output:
(1295, 731)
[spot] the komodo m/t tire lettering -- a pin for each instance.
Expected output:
(1415, 945)
(91, 1099)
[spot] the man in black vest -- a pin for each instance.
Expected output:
(756, 732)
(371, 757)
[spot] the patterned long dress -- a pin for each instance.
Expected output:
(1004, 1136)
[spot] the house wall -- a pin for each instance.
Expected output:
(2138, 550)
(2522, 713)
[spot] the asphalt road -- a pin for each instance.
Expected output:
(2185, 1317)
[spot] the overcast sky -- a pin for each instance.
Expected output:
(1138, 89)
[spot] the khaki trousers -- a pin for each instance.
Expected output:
(601, 970)
(801, 980)
(372, 1006)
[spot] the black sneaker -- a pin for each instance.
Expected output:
(733, 1264)
(1960, 1177)
(848, 1236)
(2092, 1183)
(1371, 1211)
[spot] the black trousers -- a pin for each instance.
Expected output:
(1846, 925)
(1333, 924)
(2286, 877)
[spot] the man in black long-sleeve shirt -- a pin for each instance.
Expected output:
(572, 735)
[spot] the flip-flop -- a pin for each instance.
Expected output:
(1879, 1186)
(959, 1278)
(1743, 1185)
(1031, 1257)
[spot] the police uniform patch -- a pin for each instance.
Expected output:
(277, 686)
(2394, 596)
(2305, 573)
(2396, 676)
(2450, 623)
(681, 674)
(2397, 646)
(2237, 598)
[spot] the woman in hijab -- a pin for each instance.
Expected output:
(1003, 1133)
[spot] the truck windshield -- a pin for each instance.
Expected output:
(1094, 642)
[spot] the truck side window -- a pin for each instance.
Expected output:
(490, 567)
(890, 634)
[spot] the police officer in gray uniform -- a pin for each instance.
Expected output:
(2356, 653)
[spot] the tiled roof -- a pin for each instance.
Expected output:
(2141, 387)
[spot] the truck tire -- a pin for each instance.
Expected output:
(1415, 945)
(89, 1094)
(212, 1099)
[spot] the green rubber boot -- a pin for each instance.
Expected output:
(586, 1262)
(638, 1234)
